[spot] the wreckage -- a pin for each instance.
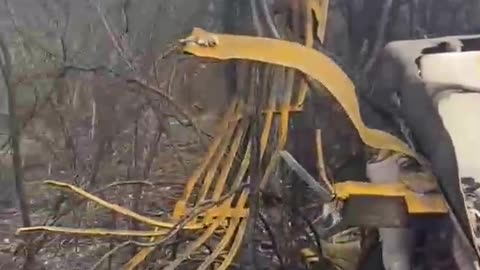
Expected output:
(430, 85)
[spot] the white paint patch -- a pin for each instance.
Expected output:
(460, 113)
(396, 242)
(453, 67)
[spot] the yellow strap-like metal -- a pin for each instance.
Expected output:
(207, 181)
(219, 142)
(268, 121)
(195, 244)
(119, 209)
(180, 207)
(211, 229)
(225, 208)
(416, 203)
(223, 128)
(227, 238)
(320, 9)
(220, 187)
(94, 232)
(237, 242)
(293, 55)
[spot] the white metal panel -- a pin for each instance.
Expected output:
(453, 67)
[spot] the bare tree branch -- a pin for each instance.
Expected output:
(113, 37)
(380, 38)
(6, 69)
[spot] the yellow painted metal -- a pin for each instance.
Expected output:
(293, 55)
(308, 43)
(215, 216)
(217, 149)
(94, 232)
(285, 108)
(211, 229)
(220, 187)
(180, 206)
(268, 121)
(309, 256)
(231, 221)
(237, 242)
(195, 244)
(283, 130)
(119, 209)
(416, 203)
(227, 238)
(320, 9)
(207, 182)
(138, 258)
(322, 172)
(273, 112)
(209, 232)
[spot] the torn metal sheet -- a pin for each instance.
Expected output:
(293, 55)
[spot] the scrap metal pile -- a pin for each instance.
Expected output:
(221, 204)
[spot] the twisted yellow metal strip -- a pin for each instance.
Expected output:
(220, 186)
(209, 232)
(139, 257)
(322, 172)
(293, 55)
(320, 8)
(202, 239)
(285, 107)
(212, 170)
(221, 245)
(96, 232)
(223, 128)
(195, 244)
(119, 209)
(143, 254)
(236, 220)
(268, 120)
(235, 246)
(416, 203)
(226, 206)
(283, 132)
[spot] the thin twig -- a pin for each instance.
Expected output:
(155, 90)
(109, 254)
(112, 36)
(271, 234)
(380, 38)
(256, 20)
(269, 19)
(303, 174)
(138, 189)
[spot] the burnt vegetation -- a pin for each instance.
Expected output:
(106, 101)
